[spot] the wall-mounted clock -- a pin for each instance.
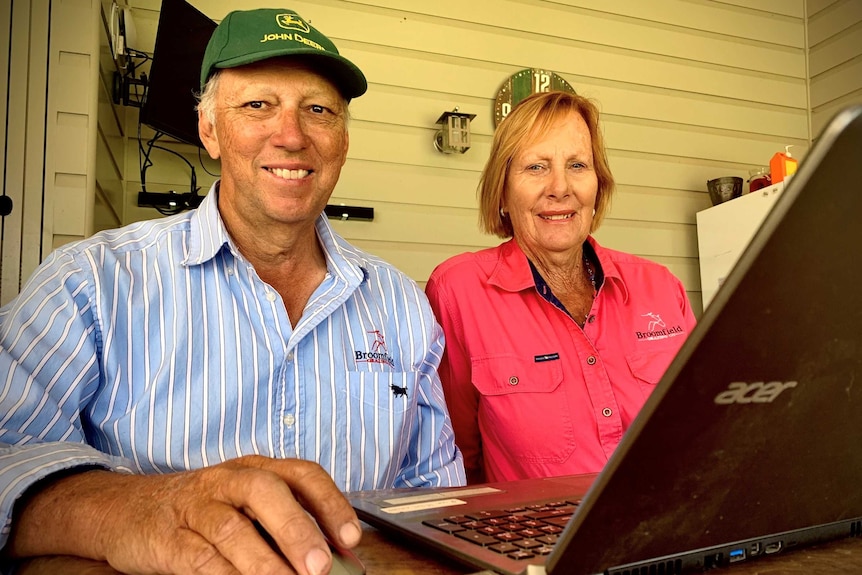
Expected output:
(522, 84)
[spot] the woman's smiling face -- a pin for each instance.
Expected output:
(551, 188)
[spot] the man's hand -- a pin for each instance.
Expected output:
(195, 522)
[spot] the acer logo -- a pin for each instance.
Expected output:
(756, 392)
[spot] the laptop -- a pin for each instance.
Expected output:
(751, 444)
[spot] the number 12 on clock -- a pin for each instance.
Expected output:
(522, 84)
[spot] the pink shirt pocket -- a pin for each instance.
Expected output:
(524, 411)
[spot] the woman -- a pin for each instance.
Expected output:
(553, 343)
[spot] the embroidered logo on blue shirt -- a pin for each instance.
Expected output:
(378, 354)
(398, 391)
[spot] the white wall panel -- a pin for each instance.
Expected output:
(838, 81)
(71, 203)
(836, 51)
(25, 127)
(70, 141)
(13, 75)
(838, 17)
(812, 7)
(835, 58)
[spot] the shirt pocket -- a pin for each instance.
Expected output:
(386, 391)
(524, 411)
(374, 426)
(648, 367)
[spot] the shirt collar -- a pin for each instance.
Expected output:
(513, 273)
(207, 233)
(343, 261)
(208, 236)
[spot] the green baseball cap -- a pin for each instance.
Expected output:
(247, 36)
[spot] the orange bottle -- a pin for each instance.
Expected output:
(782, 165)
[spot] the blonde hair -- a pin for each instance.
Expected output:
(525, 124)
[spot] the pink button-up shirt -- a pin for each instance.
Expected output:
(530, 392)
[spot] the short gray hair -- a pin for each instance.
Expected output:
(206, 99)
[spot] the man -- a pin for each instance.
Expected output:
(169, 388)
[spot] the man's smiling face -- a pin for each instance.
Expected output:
(281, 134)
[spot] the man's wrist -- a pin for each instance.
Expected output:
(45, 516)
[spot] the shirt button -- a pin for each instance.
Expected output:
(288, 420)
(270, 295)
(592, 319)
(513, 380)
(290, 356)
(230, 271)
(607, 412)
(591, 360)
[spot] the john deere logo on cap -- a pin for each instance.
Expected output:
(292, 22)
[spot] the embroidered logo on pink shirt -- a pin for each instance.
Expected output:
(378, 354)
(657, 328)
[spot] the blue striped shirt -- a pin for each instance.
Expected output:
(156, 347)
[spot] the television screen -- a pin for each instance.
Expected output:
(181, 39)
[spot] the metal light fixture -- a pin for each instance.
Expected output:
(455, 134)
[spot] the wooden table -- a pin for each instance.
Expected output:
(383, 555)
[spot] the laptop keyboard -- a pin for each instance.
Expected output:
(518, 533)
